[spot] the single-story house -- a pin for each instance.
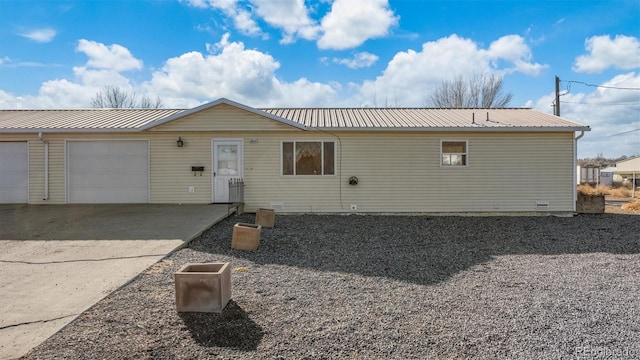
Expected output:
(294, 160)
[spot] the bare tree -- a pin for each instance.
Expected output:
(481, 91)
(147, 103)
(113, 97)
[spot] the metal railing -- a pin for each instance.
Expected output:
(236, 190)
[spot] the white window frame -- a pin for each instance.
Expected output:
(466, 153)
(322, 142)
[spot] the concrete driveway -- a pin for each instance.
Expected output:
(58, 260)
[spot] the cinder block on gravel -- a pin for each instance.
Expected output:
(246, 236)
(203, 287)
(590, 204)
(266, 217)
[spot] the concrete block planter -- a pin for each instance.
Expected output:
(265, 217)
(590, 204)
(246, 236)
(203, 287)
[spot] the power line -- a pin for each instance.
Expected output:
(624, 132)
(634, 102)
(600, 86)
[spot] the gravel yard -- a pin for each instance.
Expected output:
(390, 287)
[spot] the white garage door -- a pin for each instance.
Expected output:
(14, 173)
(114, 171)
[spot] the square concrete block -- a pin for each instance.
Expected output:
(590, 204)
(204, 287)
(246, 236)
(265, 217)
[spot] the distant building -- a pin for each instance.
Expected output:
(629, 170)
(608, 176)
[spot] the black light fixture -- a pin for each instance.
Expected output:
(180, 143)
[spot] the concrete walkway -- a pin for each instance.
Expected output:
(82, 254)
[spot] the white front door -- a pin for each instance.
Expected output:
(227, 165)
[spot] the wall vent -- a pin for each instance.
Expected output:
(277, 206)
(542, 204)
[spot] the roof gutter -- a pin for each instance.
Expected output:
(338, 129)
(460, 129)
(575, 168)
(69, 130)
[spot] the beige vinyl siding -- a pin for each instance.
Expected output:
(264, 183)
(57, 171)
(397, 171)
(171, 173)
(223, 118)
(36, 170)
(401, 172)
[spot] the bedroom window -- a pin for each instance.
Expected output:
(308, 158)
(454, 153)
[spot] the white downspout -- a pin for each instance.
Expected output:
(46, 167)
(575, 169)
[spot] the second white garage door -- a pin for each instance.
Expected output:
(108, 171)
(14, 172)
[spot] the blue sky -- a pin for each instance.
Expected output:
(330, 53)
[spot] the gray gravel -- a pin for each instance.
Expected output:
(400, 287)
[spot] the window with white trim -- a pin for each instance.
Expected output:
(308, 158)
(454, 153)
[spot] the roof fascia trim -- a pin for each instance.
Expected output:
(67, 130)
(348, 129)
(465, 128)
(216, 103)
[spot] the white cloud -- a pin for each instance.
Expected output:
(622, 52)
(240, 15)
(227, 70)
(348, 24)
(249, 76)
(608, 112)
(230, 70)
(103, 67)
(114, 57)
(352, 22)
(8, 62)
(291, 16)
(514, 49)
(202, 4)
(242, 18)
(411, 75)
(53, 94)
(98, 78)
(44, 35)
(359, 60)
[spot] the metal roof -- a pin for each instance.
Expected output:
(213, 104)
(424, 118)
(80, 119)
(405, 119)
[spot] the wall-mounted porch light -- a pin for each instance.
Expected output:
(180, 143)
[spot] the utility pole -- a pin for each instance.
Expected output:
(556, 109)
